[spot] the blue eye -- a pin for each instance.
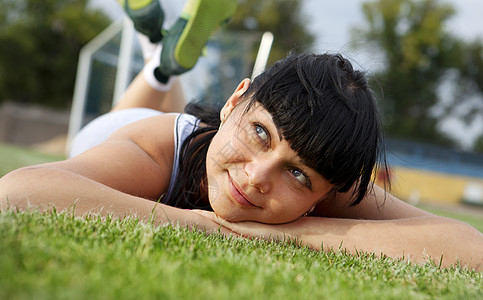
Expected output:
(261, 132)
(300, 176)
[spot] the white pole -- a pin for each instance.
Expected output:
(263, 53)
(124, 61)
(82, 78)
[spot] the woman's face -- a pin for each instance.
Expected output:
(253, 174)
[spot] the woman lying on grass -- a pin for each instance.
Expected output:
(289, 156)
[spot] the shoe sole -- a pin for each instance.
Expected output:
(148, 24)
(205, 17)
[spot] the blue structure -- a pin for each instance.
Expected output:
(433, 158)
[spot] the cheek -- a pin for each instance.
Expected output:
(221, 205)
(228, 146)
(214, 190)
(218, 150)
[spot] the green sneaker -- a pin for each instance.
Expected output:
(147, 16)
(185, 40)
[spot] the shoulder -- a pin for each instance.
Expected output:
(160, 126)
(376, 205)
(136, 159)
(154, 135)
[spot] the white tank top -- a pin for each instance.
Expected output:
(101, 128)
(184, 125)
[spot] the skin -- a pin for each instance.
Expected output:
(256, 176)
(122, 176)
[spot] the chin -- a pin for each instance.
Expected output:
(227, 213)
(221, 207)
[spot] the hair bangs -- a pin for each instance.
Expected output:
(324, 114)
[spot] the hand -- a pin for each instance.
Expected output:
(282, 232)
(193, 220)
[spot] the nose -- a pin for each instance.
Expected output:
(260, 173)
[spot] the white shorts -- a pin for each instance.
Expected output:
(102, 127)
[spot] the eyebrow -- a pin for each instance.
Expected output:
(279, 132)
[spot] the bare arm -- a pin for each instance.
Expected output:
(44, 187)
(377, 205)
(380, 224)
(416, 239)
(120, 177)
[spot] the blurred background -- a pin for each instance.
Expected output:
(424, 60)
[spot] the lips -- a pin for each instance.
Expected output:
(237, 193)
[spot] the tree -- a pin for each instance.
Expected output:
(40, 46)
(419, 53)
(478, 146)
(281, 17)
(470, 87)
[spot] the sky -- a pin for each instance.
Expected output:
(331, 22)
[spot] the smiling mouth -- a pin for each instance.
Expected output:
(237, 194)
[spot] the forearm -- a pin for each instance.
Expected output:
(414, 239)
(377, 205)
(43, 189)
(417, 239)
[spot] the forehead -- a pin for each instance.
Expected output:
(256, 110)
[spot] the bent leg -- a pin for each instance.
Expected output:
(141, 94)
(102, 127)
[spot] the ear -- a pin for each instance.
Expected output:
(234, 99)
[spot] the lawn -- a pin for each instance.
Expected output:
(14, 157)
(58, 256)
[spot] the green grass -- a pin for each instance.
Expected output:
(52, 256)
(57, 256)
(14, 157)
